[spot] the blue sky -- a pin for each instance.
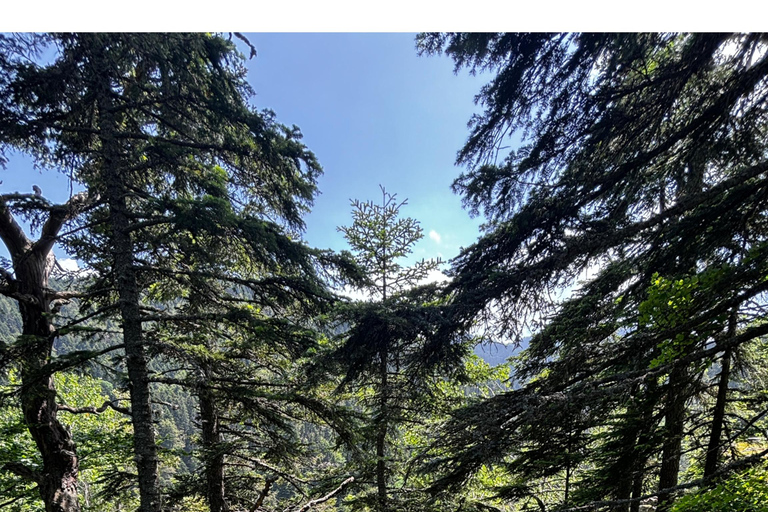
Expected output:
(374, 113)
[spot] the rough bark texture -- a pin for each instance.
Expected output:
(116, 188)
(214, 463)
(145, 448)
(57, 482)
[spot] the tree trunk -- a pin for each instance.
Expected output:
(690, 182)
(637, 492)
(145, 448)
(718, 416)
(674, 423)
(32, 263)
(144, 445)
(381, 435)
(631, 466)
(214, 460)
(58, 481)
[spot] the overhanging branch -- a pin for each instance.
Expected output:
(25, 472)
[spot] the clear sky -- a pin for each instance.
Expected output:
(374, 113)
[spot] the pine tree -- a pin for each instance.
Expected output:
(641, 172)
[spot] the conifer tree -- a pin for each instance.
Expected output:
(27, 281)
(387, 346)
(191, 181)
(642, 172)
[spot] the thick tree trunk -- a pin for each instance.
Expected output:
(32, 264)
(58, 481)
(214, 461)
(144, 445)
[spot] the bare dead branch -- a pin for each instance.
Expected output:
(10, 231)
(264, 492)
(96, 410)
(175, 407)
(248, 42)
(327, 497)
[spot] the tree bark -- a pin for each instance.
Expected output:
(126, 283)
(674, 423)
(211, 438)
(690, 182)
(718, 416)
(381, 434)
(32, 263)
(630, 467)
(637, 492)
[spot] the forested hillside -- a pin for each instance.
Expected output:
(206, 359)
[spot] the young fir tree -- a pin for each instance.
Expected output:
(643, 161)
(387, 354)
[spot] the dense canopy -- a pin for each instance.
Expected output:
(623, 183)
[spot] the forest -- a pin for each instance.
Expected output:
(205, 358)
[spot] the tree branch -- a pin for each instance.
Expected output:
(328, 496)
(25, 472)
(11, 292)
(167, 404)
(94, 410)
(10, 231)
(247, 42)
(746, 461)
(263, 494)
(59, 215)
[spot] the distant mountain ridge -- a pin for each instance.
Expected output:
(496, 353)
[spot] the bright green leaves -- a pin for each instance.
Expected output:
(746, 491)
(669, 308)
(103, 440)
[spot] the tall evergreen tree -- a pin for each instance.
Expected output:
(642, 172)
(158, 126)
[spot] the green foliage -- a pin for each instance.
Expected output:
(624, 232)
(379, 237)
(388, 354)
(107, 471)
(670, 304)
(197, 200)
(744, 491)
